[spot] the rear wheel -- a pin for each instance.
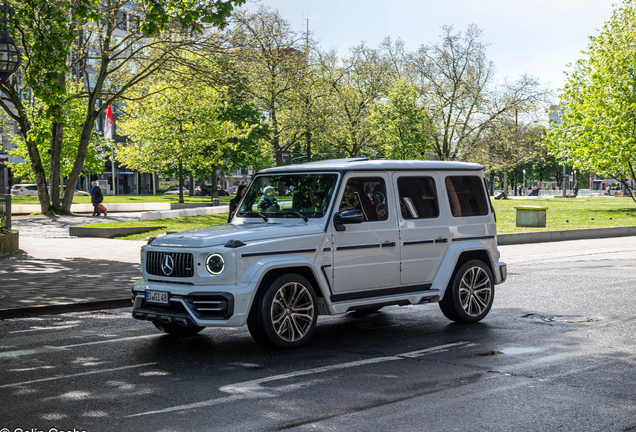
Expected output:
(285, 314)
(471, 294)
(176, 329)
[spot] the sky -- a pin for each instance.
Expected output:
(538, 37)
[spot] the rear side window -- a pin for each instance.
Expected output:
(32, 188)
(466, 196)
(418, 197)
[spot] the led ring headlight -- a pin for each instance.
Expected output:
(215, 264)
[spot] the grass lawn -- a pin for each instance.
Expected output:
(173, 224)
(578, 211)
(173, 199)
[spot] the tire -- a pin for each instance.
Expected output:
(470, 297)
(285, 315)
(176, 329)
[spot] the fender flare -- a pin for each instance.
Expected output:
(449, 262)
(259, 268)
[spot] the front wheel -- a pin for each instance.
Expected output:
(285, 314)
(176, 329)
(471, 294)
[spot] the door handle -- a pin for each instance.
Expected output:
(388, 244)
(441, 240)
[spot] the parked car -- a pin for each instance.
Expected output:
(206, 191)
(327, 238)
(175, 191)
(26, 189)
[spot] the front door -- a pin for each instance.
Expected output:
(365, 255)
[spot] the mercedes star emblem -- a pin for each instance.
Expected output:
(167, 266)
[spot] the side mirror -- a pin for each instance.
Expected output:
(345, 217)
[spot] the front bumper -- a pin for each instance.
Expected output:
(204, 306)
(501, 272)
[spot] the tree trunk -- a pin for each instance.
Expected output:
(57, 135)
(82, 150)
(279, 157)
(505, 184)
(191, 188)
(180, 182)
(214, 192)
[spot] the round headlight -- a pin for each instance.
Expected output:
(215, 264)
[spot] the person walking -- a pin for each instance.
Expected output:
(96, 198)
(576, 190)
(234, 202)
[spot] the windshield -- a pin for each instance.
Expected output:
(289, 195)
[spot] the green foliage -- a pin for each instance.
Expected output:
(397, 124)
(73, 111)
(598, 130)
(177, 122)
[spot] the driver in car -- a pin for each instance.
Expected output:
(267, 202)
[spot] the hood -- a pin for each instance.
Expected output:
(221, 234)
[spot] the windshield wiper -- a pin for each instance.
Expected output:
(295, 213)
(257, 213)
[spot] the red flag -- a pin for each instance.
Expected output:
(109, 123)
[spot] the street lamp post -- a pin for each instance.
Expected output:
(9, 54)
(524, 181)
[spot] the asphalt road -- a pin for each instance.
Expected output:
(556, 353)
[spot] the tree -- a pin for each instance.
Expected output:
(40, 123)
(508, 143)
(397, 123)
(94, 40)
(456, 81)
(358, 82)
(271, 56)
(176, 125)
(598, 126)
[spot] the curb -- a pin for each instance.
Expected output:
(552, 236)
(32, 311)
(83, 231)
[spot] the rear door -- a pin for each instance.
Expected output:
(423, 225)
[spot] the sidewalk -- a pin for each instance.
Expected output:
(56, 273)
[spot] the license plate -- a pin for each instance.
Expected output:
(157, 297)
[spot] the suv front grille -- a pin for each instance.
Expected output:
(181, 265)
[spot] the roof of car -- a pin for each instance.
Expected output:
(364, 164)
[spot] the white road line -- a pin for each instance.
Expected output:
(77, 375)
(32, 329)
(44, 349)
(39, 350)
(252, 389)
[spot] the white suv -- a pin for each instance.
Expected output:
(326, 238)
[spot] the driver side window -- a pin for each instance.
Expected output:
(367, 194)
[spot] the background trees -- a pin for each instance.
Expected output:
(182, 125)
(109, 46)
(598, 127)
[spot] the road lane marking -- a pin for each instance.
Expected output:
(39, 350)
(46, 348)
(253, 390)
(32, 329)
(77, 375)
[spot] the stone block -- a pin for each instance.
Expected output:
(9, 243)
(531, 216)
